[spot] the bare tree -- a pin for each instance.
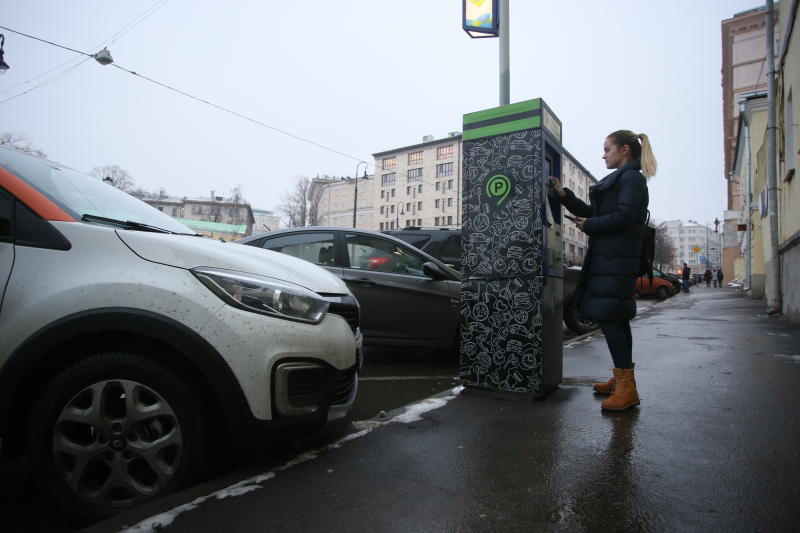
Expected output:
(665, 252)
(119, 176)
(21, 142)
(296, 205)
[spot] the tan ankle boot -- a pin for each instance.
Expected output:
(625, 394)
(608, 386)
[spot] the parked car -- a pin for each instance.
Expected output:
(674, 280)
(130, 344)
(445, 245)
(658, 287)
(407, 297)
(442, 243)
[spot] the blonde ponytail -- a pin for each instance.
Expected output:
(640, 149)
(648, 160)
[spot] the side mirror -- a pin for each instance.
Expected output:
(432, 270)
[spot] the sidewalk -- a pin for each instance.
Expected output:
(713, 447)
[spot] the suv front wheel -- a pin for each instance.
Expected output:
(112, 431)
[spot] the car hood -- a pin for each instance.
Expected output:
(186, 251)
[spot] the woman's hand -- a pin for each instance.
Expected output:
(557, 186)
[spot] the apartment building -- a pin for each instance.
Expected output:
(578, 180)
(264, 220)
(697, 245)
(419, 185)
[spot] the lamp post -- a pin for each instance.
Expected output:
(355, 193)
(489, 18)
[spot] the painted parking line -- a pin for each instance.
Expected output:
(406, 378)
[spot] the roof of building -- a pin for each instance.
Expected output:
(213, 226)
(420, 145)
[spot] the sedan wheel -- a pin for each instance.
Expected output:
(114, 431)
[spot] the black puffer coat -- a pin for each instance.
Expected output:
(614, 223)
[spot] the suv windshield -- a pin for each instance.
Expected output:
(79, 194)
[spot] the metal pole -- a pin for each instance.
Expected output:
(505, 69)
(774, 272)
(355, 194)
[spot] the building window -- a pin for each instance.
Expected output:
(449, 220)
(419, 188)
(391, 225)
(382, 207)
(389, 163)
(387, 180)
(445, 169)
(449, 202)
(437, 221)
(392, 189)
(415, 158)
(419, 222)
(438, 185)
(174, 211)
(449, 184)
(415, 174)
(437, 203)
(391, 208)
(195, 210)
(381, 194)
(419, 206)
(408, 206)
(409, 222)
(160, 208)
(444, 152)
(408, 190)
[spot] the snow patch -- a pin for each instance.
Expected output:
(412, 413)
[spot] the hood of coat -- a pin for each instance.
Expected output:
(611, 180)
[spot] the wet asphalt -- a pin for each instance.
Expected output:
(713, 447)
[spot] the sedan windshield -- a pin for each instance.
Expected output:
(79, 194)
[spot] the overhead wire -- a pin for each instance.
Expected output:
(125, 29)
(216, 106)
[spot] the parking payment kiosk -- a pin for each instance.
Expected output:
(512, 275)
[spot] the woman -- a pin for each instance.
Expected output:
(614, 221)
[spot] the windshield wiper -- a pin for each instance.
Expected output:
(127, 224)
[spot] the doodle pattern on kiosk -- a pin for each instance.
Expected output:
(502, 238)
(501, 292)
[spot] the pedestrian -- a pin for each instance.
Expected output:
(686, 276)
(707, 277)
(719, 277)
(614, 221)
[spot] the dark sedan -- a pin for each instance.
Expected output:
(407, 297)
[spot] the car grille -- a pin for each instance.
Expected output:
(306, 387)
(344, 386)
(346, 307)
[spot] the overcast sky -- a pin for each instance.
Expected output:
(360, 77)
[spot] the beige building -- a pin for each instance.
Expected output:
(215, 216)
(788, 151)
(743, 74)
(757, 253)
(419, 185)
(264, 220)
(335, 199)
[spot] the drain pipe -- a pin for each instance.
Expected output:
(774, 273)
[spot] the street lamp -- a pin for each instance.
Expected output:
(3, 65)
(355, 194)
(489, 18)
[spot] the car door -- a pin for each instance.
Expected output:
(317, 247)
(399, 303)
(6, 241)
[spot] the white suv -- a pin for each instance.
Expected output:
(128, 343)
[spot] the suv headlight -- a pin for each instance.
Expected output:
(264, 295)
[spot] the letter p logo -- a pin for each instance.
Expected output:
(498, 186)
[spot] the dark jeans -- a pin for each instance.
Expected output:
(620, 342)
